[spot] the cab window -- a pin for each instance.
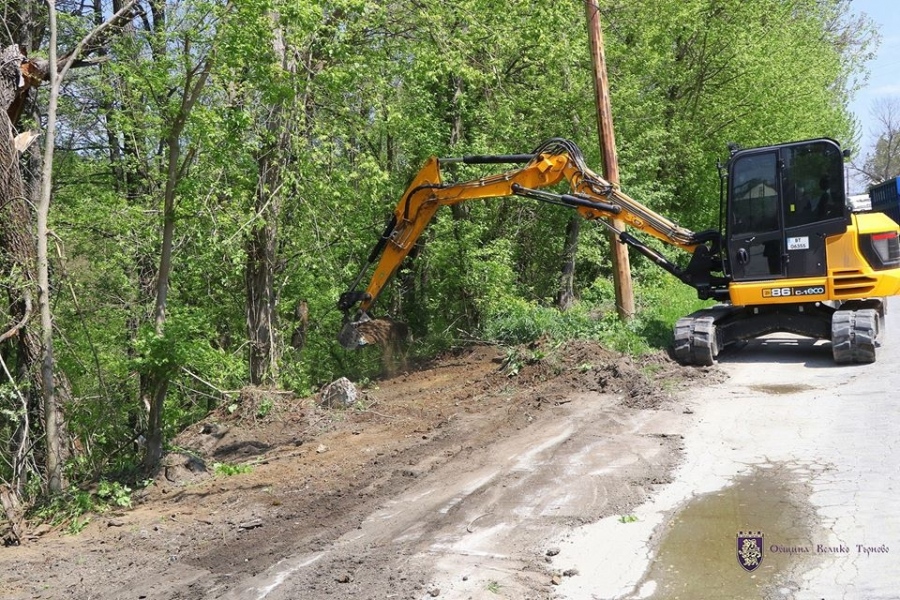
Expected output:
(812, 184)
(754, 200)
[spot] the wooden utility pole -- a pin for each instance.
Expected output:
(621, 266)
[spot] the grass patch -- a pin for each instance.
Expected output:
(227, 470)
(659, 304)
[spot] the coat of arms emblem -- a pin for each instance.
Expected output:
(750, 549)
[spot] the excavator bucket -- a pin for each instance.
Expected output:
(350, 336)
(364, 331)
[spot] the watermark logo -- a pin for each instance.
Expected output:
(750, 549)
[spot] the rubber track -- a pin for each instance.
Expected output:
(853, 335)
(695, 341)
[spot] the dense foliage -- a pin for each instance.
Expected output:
(314, 116)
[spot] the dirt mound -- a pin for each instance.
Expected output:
(270, 475)
(585, 366)
(264, 421)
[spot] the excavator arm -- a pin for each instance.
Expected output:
(552, 162)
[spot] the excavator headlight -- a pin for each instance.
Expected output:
(882, 250)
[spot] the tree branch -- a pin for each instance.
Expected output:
(15, 328)
(70, 59)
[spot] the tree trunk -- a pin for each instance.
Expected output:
(459, 211)
(154, 388)
(263, 240)
(155, 381)
(17, 256)
(260, 269)
(567, 284)
(155, 384)
(52, 413)
(301, 314)
(9, 501)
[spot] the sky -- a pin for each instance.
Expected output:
(884, 79)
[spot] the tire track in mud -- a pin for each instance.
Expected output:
(482, 519)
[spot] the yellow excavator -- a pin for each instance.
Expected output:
(788, 254)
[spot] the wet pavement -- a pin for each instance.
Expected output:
(697, 557)
(791, 448)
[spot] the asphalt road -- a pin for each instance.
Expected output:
(791, 448)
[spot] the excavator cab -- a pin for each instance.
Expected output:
(798, 261)
(783, 202)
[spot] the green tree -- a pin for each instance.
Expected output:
(690, 76)
(53, 416)
(223, 165)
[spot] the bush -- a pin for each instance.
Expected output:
(73, 507)
(659, 302)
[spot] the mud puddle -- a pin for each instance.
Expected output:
(697, 557)
(781, 388)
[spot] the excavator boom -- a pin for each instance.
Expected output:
(553, 162)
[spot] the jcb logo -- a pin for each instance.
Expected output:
(777, 292)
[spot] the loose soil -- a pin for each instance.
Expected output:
(446, 480)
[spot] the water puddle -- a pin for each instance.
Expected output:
(697, 557)
(781, 388)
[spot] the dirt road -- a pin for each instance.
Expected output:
(548, 472)
(446, 481)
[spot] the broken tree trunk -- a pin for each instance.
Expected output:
(17, 76)
(9, 500)
(18, 271)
